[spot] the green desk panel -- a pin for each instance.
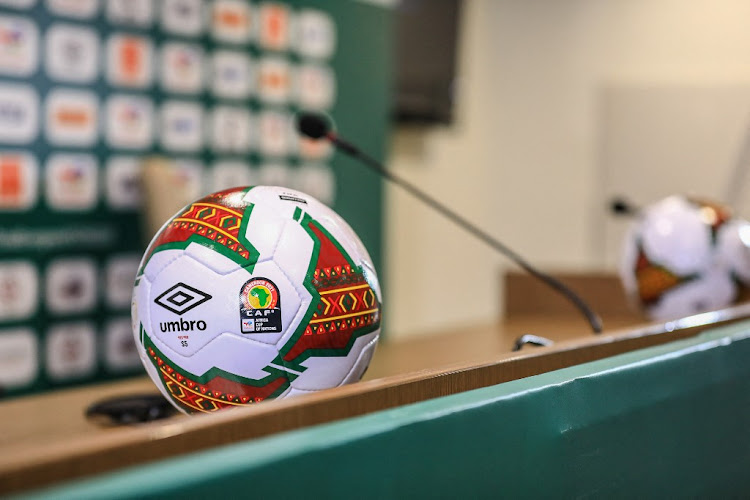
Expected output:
(665, 421)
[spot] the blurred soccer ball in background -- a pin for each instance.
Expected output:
(683, 256)
(254, 293)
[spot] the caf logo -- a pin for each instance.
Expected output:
(260, 307)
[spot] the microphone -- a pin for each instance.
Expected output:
(622, 207)
(316, 126)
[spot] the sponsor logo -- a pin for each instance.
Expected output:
(133, 12)
(260, 307)
(228, 174)
(71, 181)
(289, 197)
(316, 87)
(72, 53)
(71, 350)
(274, 26)
(316, 34)
(120, 275)
(74, 8)
(129, 61)
(275, 133)
(232, 75)
(123, 182)
(19, 361)
(71, 117)
(182, 126)
(183, 17)
(19, 284)
(19, 114)
(120, 351)
(19, 41)
(71, 286)
(231, 21)
(274, 80)
(182, 298)
(318, 181)
(129, 122)
(230, 129)
(18, 181)
(187, 174)
(182, 325)
(181, 68)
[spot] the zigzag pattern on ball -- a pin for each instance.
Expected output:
(215, 389)
(220, 219)
(344, 306)
(655, 280)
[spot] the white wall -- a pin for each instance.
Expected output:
(521, 158)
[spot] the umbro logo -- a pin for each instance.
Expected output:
(181, 298)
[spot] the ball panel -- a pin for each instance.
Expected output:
(343, 308)
(263, 227)
(213, 389)
(362, 362)
(213, 260)
(734, 249)
(325, 372)
(674, 235)
(712, 290)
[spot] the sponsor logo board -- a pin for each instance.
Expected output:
(71, 53)
(181, 126)
(129, 61)
(19, 286)
(71, 285)
(74, 8)
(120, 352)
(71, 117)
(19, 114)
(19, 46)
(232, 21)
(71, 181)
(274, 23)
(315, 34)
(232, 75)
(19, 180)
(129, 122)
(70, 350)
(182, 67)
(231, 129)
(183, 17)
(19, 360)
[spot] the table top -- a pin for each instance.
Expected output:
(56, 418)
(46, 438)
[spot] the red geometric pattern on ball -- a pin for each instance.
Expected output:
(214, 394)
(215, 219)
(348, 306)
(654, 280)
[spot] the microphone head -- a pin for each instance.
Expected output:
(621, 206)
(313, 125)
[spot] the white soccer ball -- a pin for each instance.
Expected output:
(254, 293)
(680, 258)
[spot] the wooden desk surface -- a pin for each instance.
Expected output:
(56, 417)
(39, 431)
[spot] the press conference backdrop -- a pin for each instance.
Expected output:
(90, 88)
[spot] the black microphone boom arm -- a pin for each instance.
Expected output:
(317, 127)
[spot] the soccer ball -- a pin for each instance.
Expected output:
(254, 293)
(680, 258)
